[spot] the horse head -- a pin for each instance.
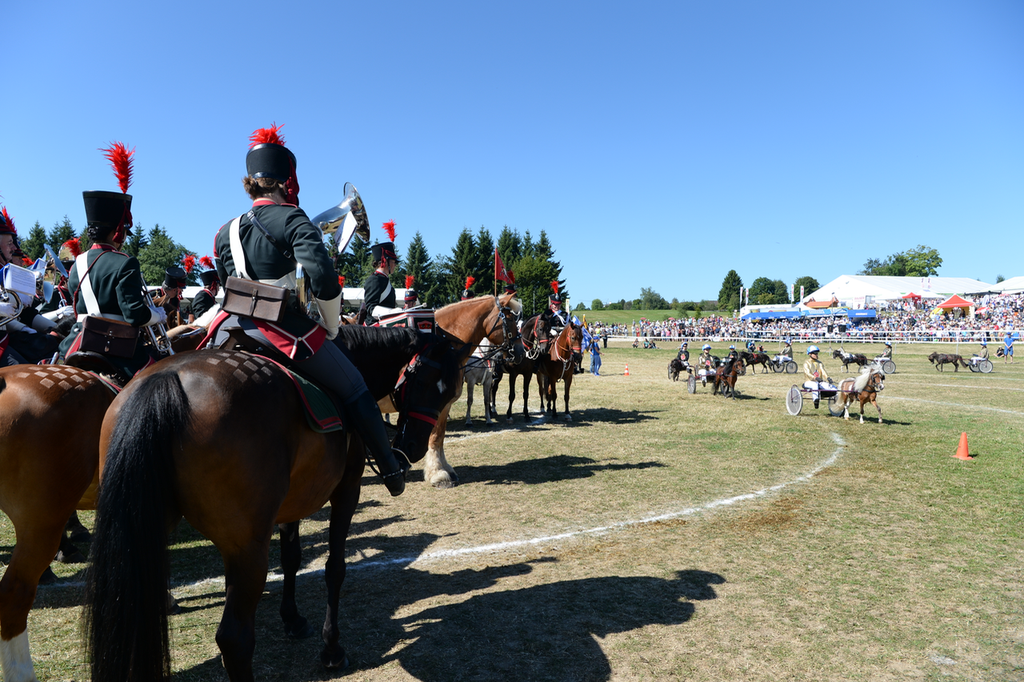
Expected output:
(427, 385)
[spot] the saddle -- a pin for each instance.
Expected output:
(323, 407)
(98, 364)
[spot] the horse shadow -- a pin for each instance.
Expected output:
(546, 470)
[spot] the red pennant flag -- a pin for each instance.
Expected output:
(501, 274)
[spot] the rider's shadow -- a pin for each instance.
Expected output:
(542, 632)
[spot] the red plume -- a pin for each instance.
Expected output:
(267, 136)
(206, 262)
(470, 281)
(409, 279)
(554, 286)
(341, 281)
(120, 158)
(74, 246)
(188, 263)
(8, 219)
(389, 227)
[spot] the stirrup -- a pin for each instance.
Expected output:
(395, 481)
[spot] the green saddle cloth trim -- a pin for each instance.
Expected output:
(320, 411)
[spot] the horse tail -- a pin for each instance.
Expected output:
(126, 599)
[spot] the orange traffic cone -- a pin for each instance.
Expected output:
(961, 451)
(626, 373)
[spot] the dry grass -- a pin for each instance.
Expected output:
(894, 562)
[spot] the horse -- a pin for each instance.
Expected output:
(479, 371)
(560, 363)
(751, 359)
(520, 361)
(850, 359)
(466, 324)
(940, 359)
(725, 377)
(864, 388)
(675, 366)
(179, 442)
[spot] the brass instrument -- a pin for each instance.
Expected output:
(157, 337)
(339, 222)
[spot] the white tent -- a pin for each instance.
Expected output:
(1014, 285)
(857, 291)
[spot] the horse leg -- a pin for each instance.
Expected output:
(295, 625)
(487, 393)
(512, 398)
(526, 395)
(469, 401)
(245, 575)
(343, 508)
(78, 532)
(846, 406)
(874, 401)
(436, 469)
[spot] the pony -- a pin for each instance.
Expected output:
(751, 359)
(725, 378)
(479, 371)
(864, 388)
(675, 366)
(466, 324)
(560, 363)
(940, 359)
(179, 442)
(850, 359)
(519, 361)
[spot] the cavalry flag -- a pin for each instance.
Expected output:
(501, 274)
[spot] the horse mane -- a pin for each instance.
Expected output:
(360, 339)
(468, 302)
(865, 376)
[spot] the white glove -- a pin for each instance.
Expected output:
(157, 316)
(330, 315)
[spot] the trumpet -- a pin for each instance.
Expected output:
(157, 337)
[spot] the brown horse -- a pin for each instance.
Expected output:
(50, 419)
(725, 378)
(559, 363)
(940, 359)
(466, 324)
(179, 442)
(864, 388)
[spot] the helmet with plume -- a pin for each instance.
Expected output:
(113, 210)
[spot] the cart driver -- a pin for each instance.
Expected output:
(983, 353)
(887, 353)
(787, 349)
(705, 359)
(815, 376)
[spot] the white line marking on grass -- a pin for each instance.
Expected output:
(533, 542)
(966, 407)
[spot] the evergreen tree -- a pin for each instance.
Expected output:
(510, 246)
(485, 259)
(60, 233)
(136, 241)
(527, 245)
(533, 283)
(417, 263)
(159, 254)
(34, 245)
(353, 261)
(454, 270)
(729, 294)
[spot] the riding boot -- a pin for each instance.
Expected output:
(392, 464)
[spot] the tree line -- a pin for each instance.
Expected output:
(438, 279)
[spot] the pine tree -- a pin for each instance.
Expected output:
(136, 241)
(60, 233)
(34, 245)
(729, 294)
(510, 246)
(159, 254)
(453, 270)
(485, 260)
(352, 262)
(417, 263)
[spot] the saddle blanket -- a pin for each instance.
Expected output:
(421, 320)
(321, 413)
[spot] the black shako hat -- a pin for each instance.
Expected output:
(209, 277)
(381, 251)
(107, 209)
(175, 277)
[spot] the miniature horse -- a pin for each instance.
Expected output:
(179, 442)
(864, 388)
(751, 359)
(725, 377)
(850, 359)
(675, 366)
(940, 359)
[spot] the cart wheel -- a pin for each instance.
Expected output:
(888, 366)
(973, 366)
(776, 367)
(790, 367)
(985, 366)
(794, 401)
(835, 408)
(691, 384)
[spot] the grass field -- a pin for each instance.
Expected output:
(660, 535)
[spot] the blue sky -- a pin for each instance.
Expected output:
(659, 144)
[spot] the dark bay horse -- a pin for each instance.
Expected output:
(559, 363)
(864, 389)
(221, 439)
(940, 359)
(751, 359)
(850, 359)
(675, 366)
(521, 361)
(725, 378)
(466, 324)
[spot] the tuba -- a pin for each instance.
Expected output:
(157, 337)
(339, 222)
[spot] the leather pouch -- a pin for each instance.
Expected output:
(247, 298)
(109, 337)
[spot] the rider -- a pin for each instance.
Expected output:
(887, 353)
(274, 188)
(555, 317)
(814, 373)
(705, 359)
(378, 294)
(412, 300)
(8, 246)
(467, 293)
(206, 299)
(732, 353)
(105, 282)
(787, 349)
(684, 355)
(169, 296)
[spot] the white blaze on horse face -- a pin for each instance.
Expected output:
(16, 660)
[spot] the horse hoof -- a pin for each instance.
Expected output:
(73, 557)
(442, 482)
(298, 628)
(48, 577)
(334, 657)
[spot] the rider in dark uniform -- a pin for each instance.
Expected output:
(467, 293)
(169, 296)
(206, 299)
(106, 282)
(244, 250)
(412, 299)
(378, 294)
